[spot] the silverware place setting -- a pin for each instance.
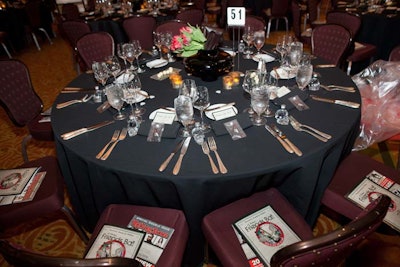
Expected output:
(121, 137)
(308, 129)
(84, 99)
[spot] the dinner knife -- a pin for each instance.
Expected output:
(281, 135)
(75, 133)
(220, 107)
(336, 101)
(178, 164)
(283, 143)
(164, 165)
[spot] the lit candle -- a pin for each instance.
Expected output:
(236, 77)
(227, 82)
(176, 80)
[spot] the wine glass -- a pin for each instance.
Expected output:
(137, 53)
(259, 40)
(304, 75)
(101, 73)
(259, 103)
(201, 103)
(167, 41)
(271, 84)
(129, 95)
(188, 88)
(282, 45)
(248, 38)
(135, 86)
(113, 66)
(158, 41)
(129, 52)
(184, 111)
(121, 53)
(115, 99)
(295, 54)
(252, 78)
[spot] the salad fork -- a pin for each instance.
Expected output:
(338, 88)
(206, 151)
(298, 128)
(113, 139)
(213, 147)
(121, 137)
(302, 126)
(84, 99)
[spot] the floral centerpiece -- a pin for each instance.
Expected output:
(188, 42)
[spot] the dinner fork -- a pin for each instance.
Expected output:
(292, 119)
(213, 147)
(338, 88)
(298, 128)
(113, 139)
(121, 137)
(206, 151)
(84, 99)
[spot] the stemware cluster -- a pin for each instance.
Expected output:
(130, 52)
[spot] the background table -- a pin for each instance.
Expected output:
(130, 174)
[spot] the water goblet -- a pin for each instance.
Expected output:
(129, 52)
(166, 42)
(271, 84)
(295, 54)
(114, 96)
(259, 40)
(137, 53)
(184, 111)
(201, 103)
(158, 42)
(121, 53)
(248, 38)
(304, 75)
(259, 102)
(188, 88)
(282, 45)
(113, 66)
(135, 86)
(252, 78)
(101, 73)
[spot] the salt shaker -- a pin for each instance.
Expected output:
(241, 46)
(98, 95)
(133, 125)
(198, 133)
(282, 115)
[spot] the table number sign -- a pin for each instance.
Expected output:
(236, 16)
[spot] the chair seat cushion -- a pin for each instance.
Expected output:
(350, 173)
(49, 197)
(121, 214)
(217, 225)
(362, 52)
(41, 130)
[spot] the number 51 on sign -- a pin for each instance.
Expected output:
(236, 16)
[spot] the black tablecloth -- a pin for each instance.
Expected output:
(130, 174)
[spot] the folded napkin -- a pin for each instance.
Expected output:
(219, 128)
(170, 130)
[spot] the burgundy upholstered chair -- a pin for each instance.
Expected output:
(3, 40)
(331, 248)
(395, 54)
(255, 22)
(70, 11)
(193, 16)
(352, 22)
(18, 256)
(47, 204)
(94, 46)
(140, 28)
(304, 37)
(331, 43)
(172, 26)
(22, 104)
(279, 11)
(120, 215)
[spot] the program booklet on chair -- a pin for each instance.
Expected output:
(373, 185)
(13, 181)
(155, 241)
(265, 232)
(115, 241)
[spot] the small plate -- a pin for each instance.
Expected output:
(124, 78)
(163, 77)
(266, 58)
(166, 110)
(158, 63)
(142, 95)
(210, 115)
(283, 75)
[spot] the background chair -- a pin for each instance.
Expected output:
(70, 11)
(333, 247)
(3, 40)
(94, 46)
(302, 36)
(172, 26)
(395, 54)
(47, 204)
(352, 22)
(140, 28)
(193, 16)
(331, 43)
(22, 104)
(279, 11)
(255, 22)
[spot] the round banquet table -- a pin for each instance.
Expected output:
(130, 174)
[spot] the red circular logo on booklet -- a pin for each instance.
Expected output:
(270, 234)
(10, 180)
(111, 248)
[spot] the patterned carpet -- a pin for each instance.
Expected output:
(51, 69)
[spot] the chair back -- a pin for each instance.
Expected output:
(74, 29)
(256, 22)
(33, 13)
(279, 8)
(90, 5)
(70, 11)
(17, 95)
(331, 42)
(20, 257)
(193, 16)
(296, 16)
(140, 28)
(395, 54)
(172, 26)
(350, 21)
(332, 248)
(95, 46)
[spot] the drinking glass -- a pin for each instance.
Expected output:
(129, 95)
(259, 102)
(184, 111)
(304, 75)
(295, 54)
(115, 99)
(158, 41)
(188, 88)
(101, 73)
(121, 53)
(135, 86)
(129, 52)
(252, 79)
(113, 66)
(137, 53)
(248, 38)
(201, 103)
(259, 40)
(282, 45)
(167, 41)
(271, 84)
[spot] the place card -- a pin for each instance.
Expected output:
(164, 117)
(223, 113)
(282, 91)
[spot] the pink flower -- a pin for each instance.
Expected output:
(186, 29)
(176, 43)
(185, 39)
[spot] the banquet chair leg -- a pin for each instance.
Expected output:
(36, 41)
(73, 222)
(47, 35)
(349, 64)
(6, 50)
(25, 142)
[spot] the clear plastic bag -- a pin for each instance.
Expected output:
(379, 85)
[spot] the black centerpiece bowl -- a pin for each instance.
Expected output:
(208, 64)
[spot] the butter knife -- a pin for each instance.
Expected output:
(178, 164)
(281, 135)
(283, 143)
(220, 107)
(164, 165)
(75, 133)
(336, 101)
